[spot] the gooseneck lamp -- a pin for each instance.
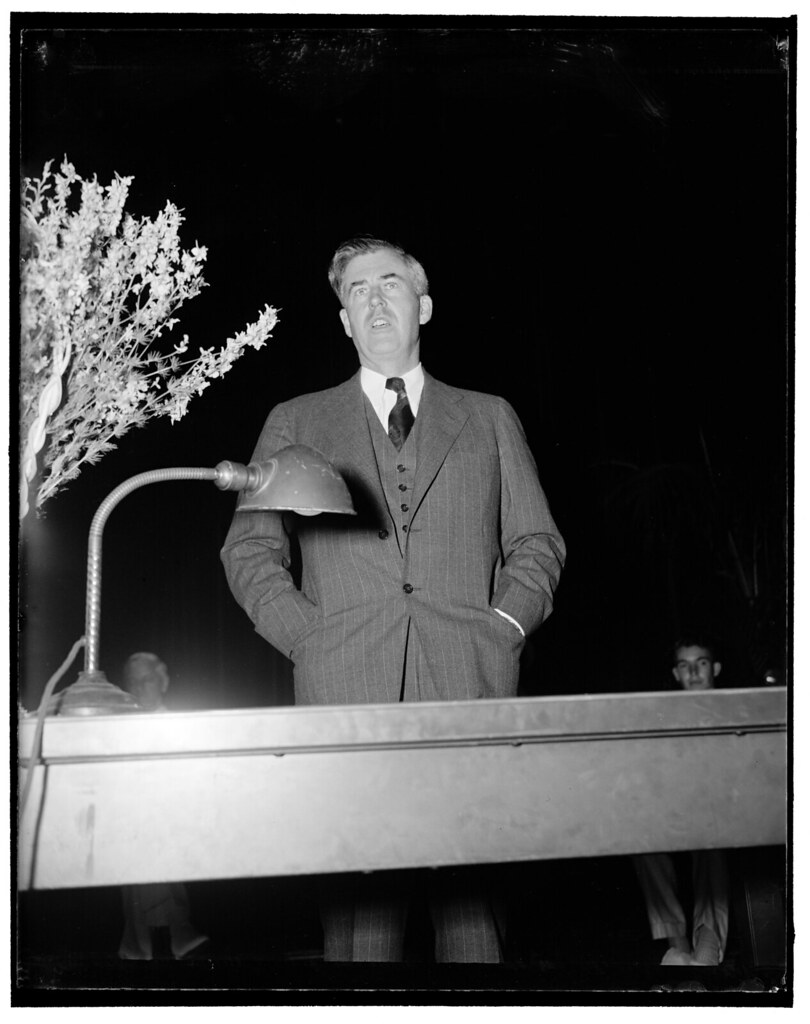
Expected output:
(296, 479)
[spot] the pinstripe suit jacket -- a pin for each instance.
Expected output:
(480, 537)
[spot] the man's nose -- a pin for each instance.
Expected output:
(376, 297)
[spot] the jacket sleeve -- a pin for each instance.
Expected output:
(256, 556)
(533, 549)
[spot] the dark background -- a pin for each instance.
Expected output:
(604, 210)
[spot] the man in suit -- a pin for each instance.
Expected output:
(430, 592)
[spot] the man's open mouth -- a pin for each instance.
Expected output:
(379, 322)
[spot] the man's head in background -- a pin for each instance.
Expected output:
(147, 679)
(694, 663)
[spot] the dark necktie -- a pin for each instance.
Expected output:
(400, 419)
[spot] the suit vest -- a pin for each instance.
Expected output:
(397, 473)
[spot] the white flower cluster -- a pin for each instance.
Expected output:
(99, 289)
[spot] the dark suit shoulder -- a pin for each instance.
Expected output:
(479, 399)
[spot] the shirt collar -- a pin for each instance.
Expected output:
(373, 384)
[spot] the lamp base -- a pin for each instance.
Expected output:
(92, 694)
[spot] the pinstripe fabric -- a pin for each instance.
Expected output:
(364, 917)
(363, 920)
(480, 536)
(466, 932)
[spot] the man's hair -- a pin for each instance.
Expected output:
(347, 250)
(708, 643)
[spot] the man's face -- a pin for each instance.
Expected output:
(148, 688)
(694, 668)
(382, 313)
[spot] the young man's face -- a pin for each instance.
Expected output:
(694, 668)
(382, 313)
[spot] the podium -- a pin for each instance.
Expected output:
(256, 792)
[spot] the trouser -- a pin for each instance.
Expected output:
(156, 905)
(656, 873)
(364, 916)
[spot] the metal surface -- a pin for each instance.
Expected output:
(93, 694)
(93, 593)
(296, 479)
(279, 791)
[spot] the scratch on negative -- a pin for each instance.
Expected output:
(90, 827)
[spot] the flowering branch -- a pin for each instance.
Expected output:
(99, 290)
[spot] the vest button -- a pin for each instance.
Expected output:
(382, 534)
(407, 588)
(404, 508)
(400, 468)
(403, 487)
(404, 529)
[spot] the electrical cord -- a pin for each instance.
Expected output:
(42, 711)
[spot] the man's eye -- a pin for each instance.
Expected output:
(390, 284)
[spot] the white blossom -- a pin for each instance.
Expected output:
(99, 289)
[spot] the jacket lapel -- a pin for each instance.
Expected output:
(440, 421)
(344, 429)
(342, 425)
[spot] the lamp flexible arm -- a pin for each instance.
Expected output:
(93, 600)
(297, 479)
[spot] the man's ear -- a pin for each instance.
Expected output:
(344, 319)
(675, 675)
(717, 668)
(425, 308)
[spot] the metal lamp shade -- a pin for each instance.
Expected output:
(296, 479)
